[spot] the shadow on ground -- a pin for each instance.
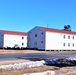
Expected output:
(60, 62)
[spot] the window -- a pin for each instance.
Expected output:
(41, 41)
(22, 44)
(42, 33)
(73, 44)
(35, 35)
(22, 37)
(64, 36)
(68, 44)
(73, 37)
(68, 37)
(64, 44)
(35, 43)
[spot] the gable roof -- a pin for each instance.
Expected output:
(57, 30)
(13, 32)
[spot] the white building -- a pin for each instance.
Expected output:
(13, 39)
(51, 39)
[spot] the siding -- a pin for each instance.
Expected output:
(36, 42)
(11, 40)
(1, 40)
(55, 41)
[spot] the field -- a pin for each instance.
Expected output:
(69, 70)
(58, 70)
(28, 70)
(3, 51)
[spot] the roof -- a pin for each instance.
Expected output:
(13, 32)
(57, 30)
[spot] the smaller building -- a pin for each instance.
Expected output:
(11, 39)
(51, 39)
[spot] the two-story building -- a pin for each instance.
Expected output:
(51, 39)
(12, 39)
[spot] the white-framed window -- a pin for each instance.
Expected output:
(22, 44)
(42, 33)
(22, 37)
(63, 44)
(73, 37)
(68, 44)
(64, 36)
(35, 43)
(41, 41)
(69, 37)
(73, 44)
(35, 35)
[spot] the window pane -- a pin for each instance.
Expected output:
(64, 36)
(68, 44)
(41, 41)
(22, 37)
(35, 43)
(35, 35)
(42, 33)
(22, 43)
(68, 37)
(73, 37)
(73, 44)
(64, 44)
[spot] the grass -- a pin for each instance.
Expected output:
(27, 70)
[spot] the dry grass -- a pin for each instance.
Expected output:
(28, 70)
(58, 71)
(5, 51)
(66, 71)
(13, 62)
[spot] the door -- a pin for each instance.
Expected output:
(35, 44)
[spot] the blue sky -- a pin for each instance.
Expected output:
(23, 15)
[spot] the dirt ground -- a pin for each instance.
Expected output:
(66, 71)
(28, 70)
(13, 62)
(58, 70)
(4, 51)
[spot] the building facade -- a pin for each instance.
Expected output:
(51, 39)
(12, 39)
